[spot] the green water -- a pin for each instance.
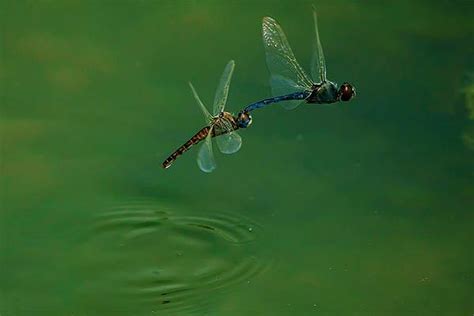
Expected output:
(362, 208)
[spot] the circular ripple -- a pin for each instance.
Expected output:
(152, 257)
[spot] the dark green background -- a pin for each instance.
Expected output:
(361, 208)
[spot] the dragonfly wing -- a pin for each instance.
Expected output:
(229, 143)
(281, 86)
(223, 88)
(201, 105)
(281, 61)
(205, 159)
(318, 64)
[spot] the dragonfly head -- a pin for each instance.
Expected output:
(346, 92)
(244, 119)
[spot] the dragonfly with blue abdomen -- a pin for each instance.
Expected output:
(221, 124)
(289, 82)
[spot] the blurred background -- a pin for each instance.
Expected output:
(359, 208)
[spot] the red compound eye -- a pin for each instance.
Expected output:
(346, 92)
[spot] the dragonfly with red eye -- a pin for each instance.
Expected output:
(221, 124)
(289, 82)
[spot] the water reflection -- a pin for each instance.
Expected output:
(155, 258)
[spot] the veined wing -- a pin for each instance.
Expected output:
(318, 64)
(222, 91)
(230, 142)
(287, 76)
(201, 105)
(282, 86)
(205, 158)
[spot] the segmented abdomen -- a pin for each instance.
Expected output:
(199, 136)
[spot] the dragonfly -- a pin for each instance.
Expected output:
(289, 82)
(220, 124)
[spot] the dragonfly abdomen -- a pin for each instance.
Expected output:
(199, 136)
(287, 97)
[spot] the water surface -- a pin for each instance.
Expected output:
(360, 208)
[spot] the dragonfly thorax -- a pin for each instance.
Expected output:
(225, 123)
(324, 92)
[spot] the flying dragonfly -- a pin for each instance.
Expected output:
(289, 82)
(221, 124)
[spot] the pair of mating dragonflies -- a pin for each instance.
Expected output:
(290, 85)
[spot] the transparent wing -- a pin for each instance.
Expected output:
(201, 105)
(318, 64)
(281, 86)
(230, 142)
(205, 158)
(223, 88)
(287, 76)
